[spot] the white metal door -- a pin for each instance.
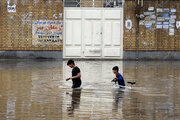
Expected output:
(93, 33)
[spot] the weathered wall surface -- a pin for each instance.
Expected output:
(31, 24)
(154, 25)
(37, 25)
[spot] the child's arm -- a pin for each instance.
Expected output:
(114, 80)
(77, 76)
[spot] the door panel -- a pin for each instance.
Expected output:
(73, 51)
(69, 32)
(77, 32)
(73, 44)
(92, 32)
(112, 14)
(87, 33)
(92, 14)
(112, 39)
(116, 33)
(97, 33)
(107, 33)
(112, 52)
(92, 52)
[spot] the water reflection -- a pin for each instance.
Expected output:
(28, 91)
(75, 102)
(118, 95)
(36, 90)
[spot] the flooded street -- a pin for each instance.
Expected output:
(37, 90)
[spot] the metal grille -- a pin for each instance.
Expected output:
(113, 3)
(18, 18)
(72, 3)
(93, 3)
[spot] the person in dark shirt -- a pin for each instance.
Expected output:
(119, 78)
(76, 74)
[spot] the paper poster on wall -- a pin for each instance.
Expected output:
(172, 21)
(153, 16)
(146, 13)
(159, 10)
(173, 10)
(161, 19)
(151, 8)
(171, 31)
(166, 16)
(47, 32)
(165, 25)
(153, 21)
(173, 16)
(149, 13)
(141, 22)
(171, 25)
(177, 24)
(60, 15)
(147, 18)
(159, 25)
(148, 24)
(166, 10)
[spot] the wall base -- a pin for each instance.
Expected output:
(30, 54)
(151, 55)
(127, 55)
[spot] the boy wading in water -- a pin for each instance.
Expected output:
(76, 74)
(119, 78)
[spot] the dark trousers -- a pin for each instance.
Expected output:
(76, 85)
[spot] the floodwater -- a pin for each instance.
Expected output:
(37, 90)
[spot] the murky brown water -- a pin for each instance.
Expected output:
(36, 90)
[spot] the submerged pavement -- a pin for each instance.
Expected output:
(37, 90)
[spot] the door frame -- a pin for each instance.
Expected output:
(82, 35)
